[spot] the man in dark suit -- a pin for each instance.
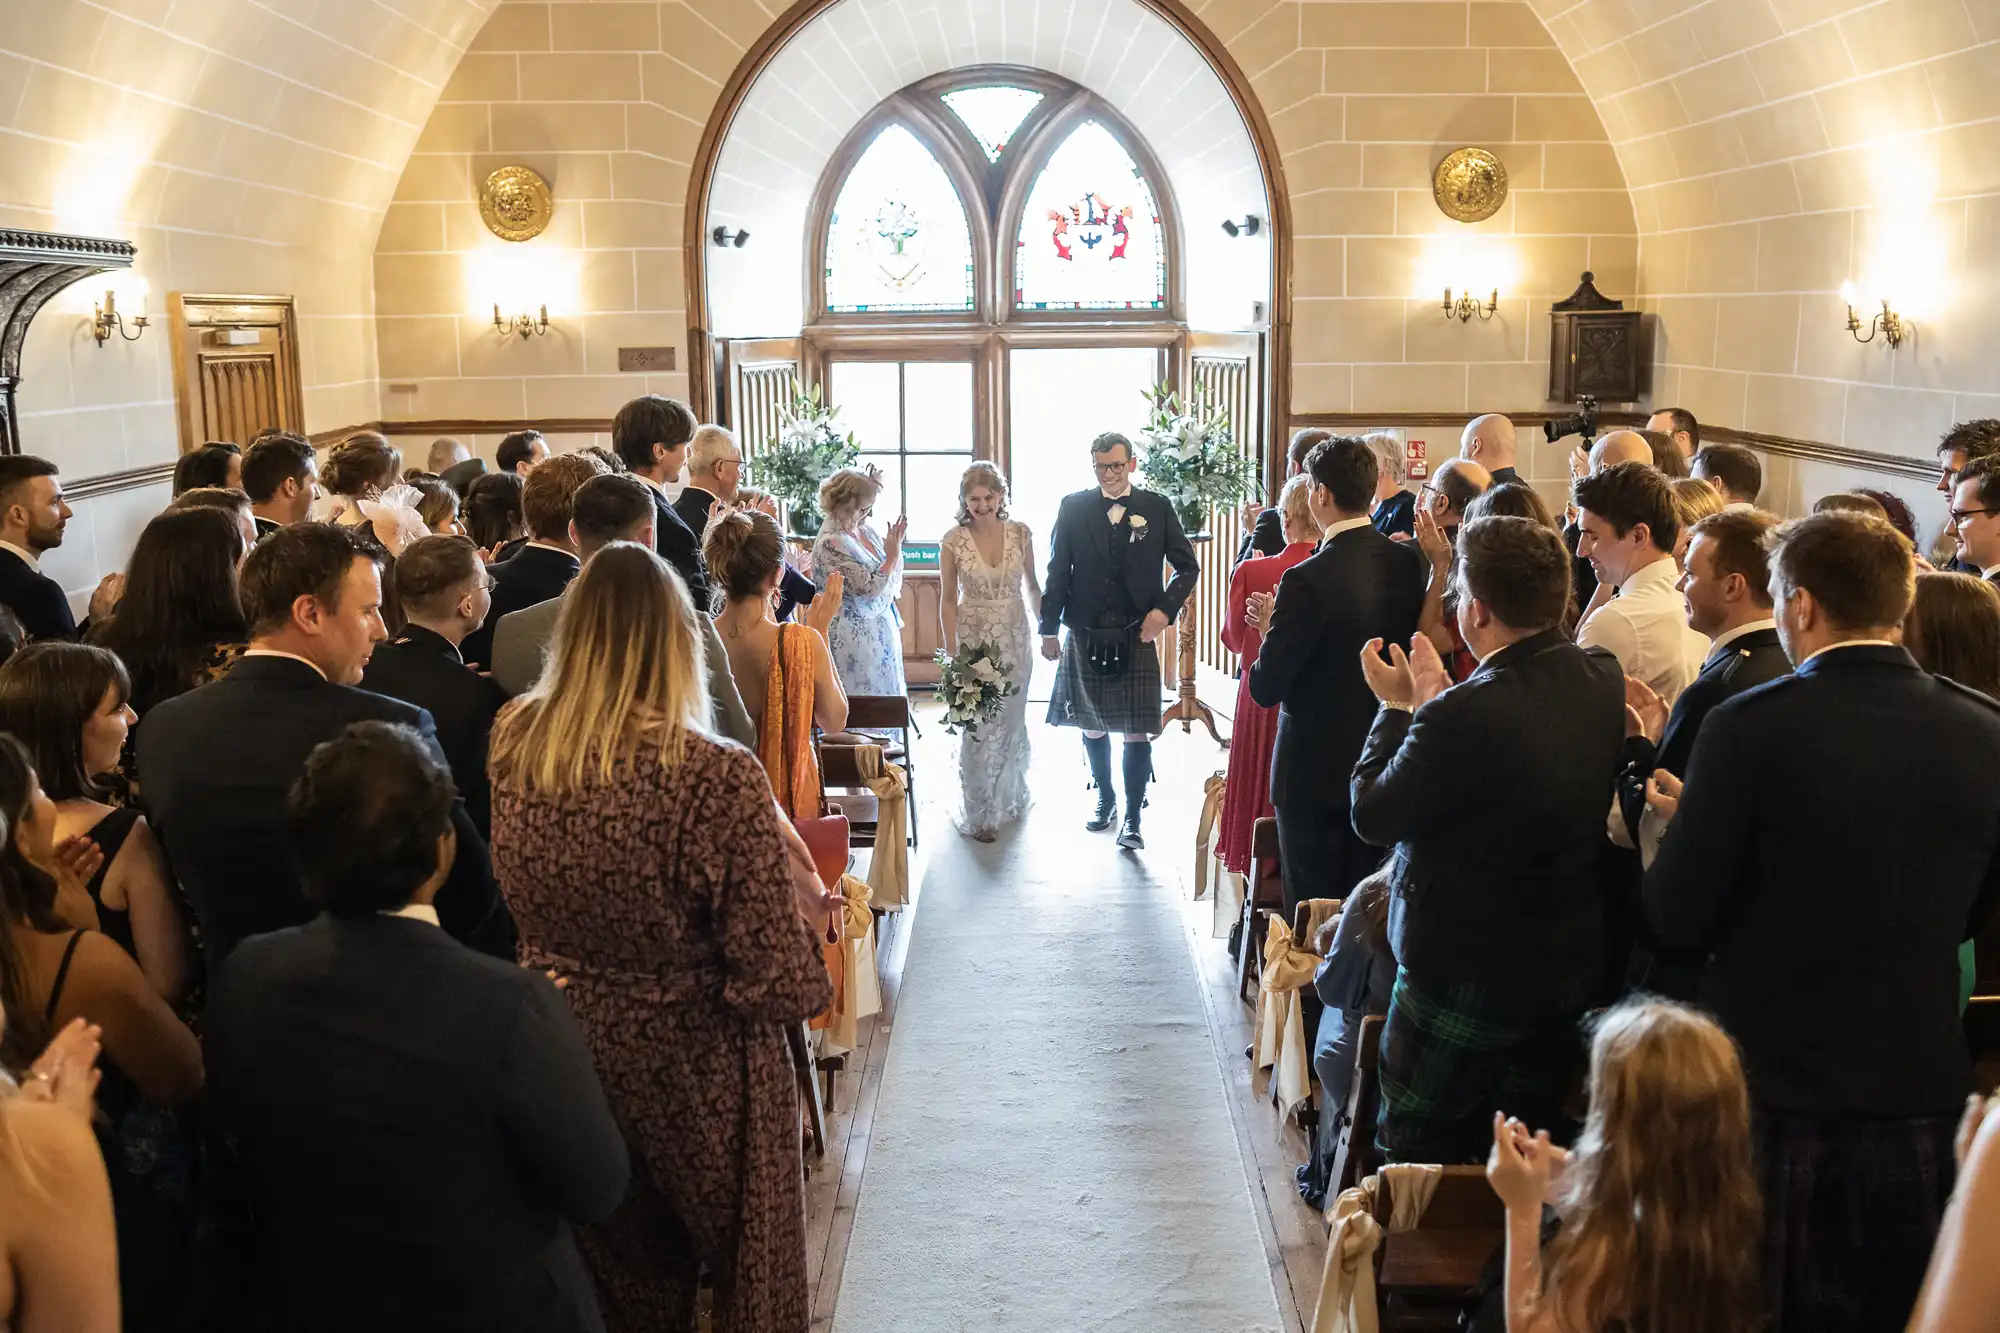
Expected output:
(1493, 793)
(1359, 585)
(281, 476)
(1836, 842)
(411, 1127)
(543, 568)
(652, 435)
(1267, 530)
(521, 453)
(32, 518)
(445, 594)
(1491, 442)
(217, 763)
(715, 476)
(1104, 585)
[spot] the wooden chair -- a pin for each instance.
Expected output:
(890, 712)
(798, 1040)
(1308, 1115)
(840, 774)
(1354, 1155)
(1264, 894)
(1424, 1279)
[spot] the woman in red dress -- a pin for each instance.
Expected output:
(1255, 735)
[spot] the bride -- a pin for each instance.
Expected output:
(984, 562)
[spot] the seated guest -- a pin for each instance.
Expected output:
(1395, 511)
(57, 1239)
(1975, 517)
(1359, 585)
(216, 763)
(1490, 442)
(685, 952)
(715, 475)
(1456, 484)
(446, 453)
(612, 509)
(549, 561)
(1656, 1204)
(1798, 813)
(1629, 526)
(652, 435)
(1953, 630)
(1733, 470)
(1694, 500)
(1667, 457)
(521, 453)
(32, 519)
(1353, 982)
(281, 477)
(217, 463)
(1267, 531)
(65, 703)
(1681, 430)
(493, 516)
(180, 623)
(1498, 916)
(442, 587)
(1255, 736)
(416, 1126)
(1962, 1287)
(236, 504)
(438, 507)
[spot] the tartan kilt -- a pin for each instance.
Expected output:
(1128, 703)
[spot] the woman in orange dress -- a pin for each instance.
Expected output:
(1248, 797)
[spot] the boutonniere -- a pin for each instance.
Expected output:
(1137, 523)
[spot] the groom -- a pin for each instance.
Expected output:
(1104, 583)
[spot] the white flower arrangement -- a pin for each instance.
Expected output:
(1190, 456)
(972, 686)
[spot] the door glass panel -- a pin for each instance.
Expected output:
(938, 405)
(913, 420)
(869, 401)
(1090, 233)
(898, 238)
(992, 114)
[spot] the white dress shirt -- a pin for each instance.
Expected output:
(1645, 627)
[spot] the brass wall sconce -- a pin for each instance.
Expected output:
(521, 324)
(1892, 326)
(1467, 305)
(106, 318)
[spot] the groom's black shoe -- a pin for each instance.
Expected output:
(1107, 810)
(1128, 835)
(1138, 765)
(1098, 750)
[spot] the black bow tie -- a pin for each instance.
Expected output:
(1107, 501)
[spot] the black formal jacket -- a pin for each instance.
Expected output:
(216, 766)
(1266, 538)
(1358, 586)
(1494, 795)
(265, 526)
(415, 1127)
(1397, 515)
(1502, 475)
(794, 589)
(536, 574)
(1838, 838)
(1084, 569)
(421, 667)
(36, 598)
(680, 546)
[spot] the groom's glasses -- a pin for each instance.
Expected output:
(1112, 469)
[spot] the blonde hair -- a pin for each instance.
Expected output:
(1695, 500)
(847, 492)
(984, 474)
(1295, 507)
(1661, 1220)
(624, 672)
(1388, 455)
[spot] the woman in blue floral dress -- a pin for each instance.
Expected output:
(866, 637)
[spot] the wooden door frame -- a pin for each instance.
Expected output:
(186, 391)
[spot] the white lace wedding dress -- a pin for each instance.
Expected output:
(993, 760)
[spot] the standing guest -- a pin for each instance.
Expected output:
(1657, 1203)
(1516, 499)
(443, 589)
(1953, 630)
(358, 469)
(460, 476)
(438, 507)
(32, 519)
(1611, 449)
(1358, 586)
(1975, 516)
(612, 462)
(1694, 500)
(1667, 456)
(217, 763)
(1899, 514)
(281, 477)
(1853, 1118)
(1681, 430)
(217, 463)
(866, 636)
(652, 435)
(446, 453)
(612, 508)
(1966, 442)
(1255, 737)
(685, 953)
(65, 703)
(1733, 470)
(233, 503)
(549, 561)
(1267, 533)
(416, 1127)
(180, 623)
(1493, 793)
(521, 453)
(1629, 526)
(1395, 511)
(1490, 441)
(715, 476)
(494, 516)
(1851, 502)
(1454, 486)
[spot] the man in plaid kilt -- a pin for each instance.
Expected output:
(1105, 569)
(1493, 793)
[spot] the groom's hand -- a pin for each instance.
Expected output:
(1155, 625)
(1052, 647)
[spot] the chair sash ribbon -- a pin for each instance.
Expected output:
(889, 860)
(1281, 1030)
(858, 990)
(1204, 837)
(1347, 1285)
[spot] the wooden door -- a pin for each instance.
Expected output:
(1226, 368)
(236, 367)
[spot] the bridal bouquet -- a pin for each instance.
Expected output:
(972, 686)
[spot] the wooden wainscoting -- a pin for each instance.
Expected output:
(923, 635)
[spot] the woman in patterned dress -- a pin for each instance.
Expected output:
(867, 636)
(644, 862)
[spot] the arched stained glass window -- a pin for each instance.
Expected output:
(898, 238)
(1091, 237)
(992, 114)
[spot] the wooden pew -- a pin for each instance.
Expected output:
(1354, 1155)
(890, 712)
(1424, 1278)
(1265, 893)
(840, 772)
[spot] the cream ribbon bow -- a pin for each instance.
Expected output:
(889, 860)
(1212, 793)
(1281, 1029)
(860, 992)
(1347, 1285)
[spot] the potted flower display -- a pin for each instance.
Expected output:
(1189, 455)
(810, 448)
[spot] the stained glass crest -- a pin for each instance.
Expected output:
(1091, 237)
(992, 114)
(898, 238)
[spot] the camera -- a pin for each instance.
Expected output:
(1583, 422)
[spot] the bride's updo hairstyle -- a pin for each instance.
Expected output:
(984, 474)
(744, 550)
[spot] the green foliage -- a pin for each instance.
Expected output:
(1189, 454)
(810, 448)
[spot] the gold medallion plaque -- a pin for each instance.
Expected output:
(1470, 185)
(515, 203)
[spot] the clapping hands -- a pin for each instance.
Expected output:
(1645, 711)
(1522, 1165)
(1431, 539)
(66, 1073)
(1663, 794)
(1257, 609)
(1405, 680)
(826, 604)
(893, 542)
